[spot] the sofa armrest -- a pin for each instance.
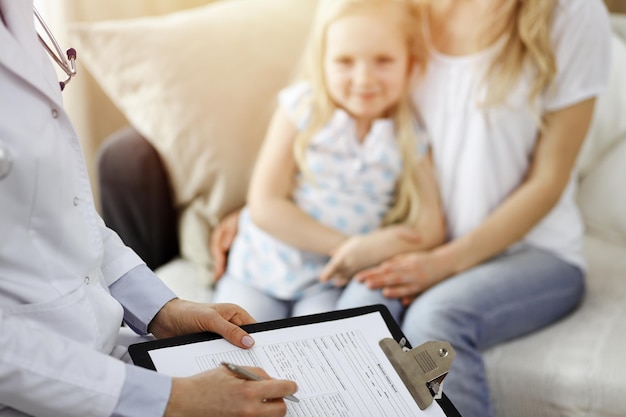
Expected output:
(136, 196)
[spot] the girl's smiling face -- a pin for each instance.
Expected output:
(366, 64)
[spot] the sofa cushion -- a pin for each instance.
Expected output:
(180, 80)
(602, 196)
(576, 366)
(186, 279)
(602, 161)
(609, 121)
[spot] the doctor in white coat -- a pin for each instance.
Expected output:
(67, 281)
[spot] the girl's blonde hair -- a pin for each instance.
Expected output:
(406, 201)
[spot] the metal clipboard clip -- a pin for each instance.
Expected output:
(422, 369)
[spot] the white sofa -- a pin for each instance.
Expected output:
(199, 86)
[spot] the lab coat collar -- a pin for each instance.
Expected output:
(21, 53)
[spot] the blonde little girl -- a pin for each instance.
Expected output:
(343, 169)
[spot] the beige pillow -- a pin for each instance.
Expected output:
(200, 85)
(609, 120)
(602, 198)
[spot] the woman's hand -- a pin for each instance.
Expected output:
(221, 240)
(407, 275)
(180, 317)
(362, 251)
(218, 393)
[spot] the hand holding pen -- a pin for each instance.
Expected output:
(246, 374)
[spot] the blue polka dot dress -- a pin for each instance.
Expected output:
(350, 187)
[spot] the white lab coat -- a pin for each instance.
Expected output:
(58, 321)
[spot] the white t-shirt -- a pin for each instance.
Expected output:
(482, 155)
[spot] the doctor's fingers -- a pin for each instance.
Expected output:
(225, 319)
(218, 393)
(263, 398)
(233, 313)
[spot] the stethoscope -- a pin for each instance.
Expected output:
(68, 65)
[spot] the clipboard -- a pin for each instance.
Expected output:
(416, 367)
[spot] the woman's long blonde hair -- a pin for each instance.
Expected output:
(406, 201)
(527, 40)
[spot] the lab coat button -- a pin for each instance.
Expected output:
(5, 161)
(55, 113)
(86, 280)
(75, 201)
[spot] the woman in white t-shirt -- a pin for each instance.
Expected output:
(507, 99)
(507, 104)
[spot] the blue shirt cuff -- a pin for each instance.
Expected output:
(142, 294)
(145, 393)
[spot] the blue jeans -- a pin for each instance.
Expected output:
(506, 297)
(264, 307)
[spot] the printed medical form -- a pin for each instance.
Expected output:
(338, 365)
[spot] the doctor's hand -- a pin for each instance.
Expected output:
(221, 240)
(218, 393)
(180, 317)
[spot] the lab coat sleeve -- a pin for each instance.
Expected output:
(145, 393)
(131, 282)
(118, 258)
(142, 294)
(43, 373)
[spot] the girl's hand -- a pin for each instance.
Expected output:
(180, 317)
(351, 256)
(361, 251)
(406, 276)
(221, 240)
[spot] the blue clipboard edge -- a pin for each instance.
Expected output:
(140, 356)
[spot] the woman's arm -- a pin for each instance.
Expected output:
(555, 154)
(553, 160)
(429, 230)
(269, 196)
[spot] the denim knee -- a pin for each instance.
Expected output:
(357, 294)
(426, 320)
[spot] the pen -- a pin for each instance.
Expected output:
(244, 373)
